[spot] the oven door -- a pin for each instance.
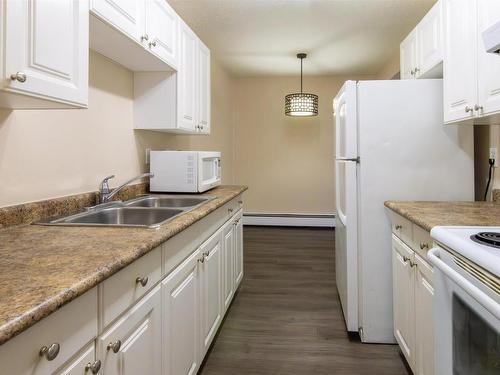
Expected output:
(466, 317)
(209, 170)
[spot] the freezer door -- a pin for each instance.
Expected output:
(344, 106)
(346, 250)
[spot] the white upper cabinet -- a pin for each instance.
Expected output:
(138, 34)
(459, 70)
(488, 63)
(125, 15)
(408, 56)
(176, 102)
(187, 79)
(430, 43)
(203, 88)
(161, 30)
(44, 64)
(421, 53)
(471, 76)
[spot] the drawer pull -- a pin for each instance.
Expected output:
(424, 246)
(240, 202)
(406, 259)
(398, 227)
(206, 254)
(114, 346)
(142, 280)
(230, 210)
(50, 352)
(93, 367)
(202, 259)
(19, 76)
(412, 264)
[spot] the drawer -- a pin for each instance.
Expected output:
(72, 327)
(123, 289)
(402, 228)
(422, 241)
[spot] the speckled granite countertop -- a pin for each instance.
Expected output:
(44, 267)
(430, 214)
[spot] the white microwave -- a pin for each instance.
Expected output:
(184, 171)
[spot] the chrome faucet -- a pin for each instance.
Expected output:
(105, 193)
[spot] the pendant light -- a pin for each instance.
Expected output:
(301, 104)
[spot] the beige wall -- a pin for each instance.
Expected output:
(287, 162)
(51, 153)
(391, 68)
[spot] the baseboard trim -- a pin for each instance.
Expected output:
(289, 220)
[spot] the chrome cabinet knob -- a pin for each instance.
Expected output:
(114, 346)
(478, 107)
(93, 367)
(50, 352)
(142, 280)
(424, 246)
(468, 109)
(398, 227)
(152, 44)
(144, 37)
(19, 76)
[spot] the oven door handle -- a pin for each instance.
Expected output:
(482, 298)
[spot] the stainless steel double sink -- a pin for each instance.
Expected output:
(149, 211)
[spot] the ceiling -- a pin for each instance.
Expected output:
(262, 37)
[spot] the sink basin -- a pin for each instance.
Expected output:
(121, 216)
(168, 201)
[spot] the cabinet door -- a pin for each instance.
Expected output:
(124, 15)
(403, 298)
(186, 76)
(408, 56)
(204, 88)
(228, 242)
(181, 318)
(238, 250)
(459, 67)
(488, 63)
(424, 318)
(51, 56)
(211, 289)
(430, 40)
(133, 344)
(161, 29)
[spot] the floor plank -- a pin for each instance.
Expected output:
(286, 317)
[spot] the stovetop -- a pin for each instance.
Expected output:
(481, 245)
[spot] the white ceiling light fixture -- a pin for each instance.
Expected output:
(301, 104)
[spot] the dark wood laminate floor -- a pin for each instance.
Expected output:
(286, 318)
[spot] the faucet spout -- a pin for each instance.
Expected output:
(105, 193)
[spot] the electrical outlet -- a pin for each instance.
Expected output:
(148, 150)
(494, 155)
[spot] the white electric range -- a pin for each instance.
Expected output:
(467, 300)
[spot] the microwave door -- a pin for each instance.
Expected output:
(209, 175)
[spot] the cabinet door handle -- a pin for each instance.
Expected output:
(406, 259)
(93, 367)
(417, 70)
(230, 210)
(144, 37)
(202, 259)
(412, 72)
(152, 44)
(50, 352)
(412, 264)
(398, 227)
(19, 76)
(424, 246)
(142, 280)
(478, 108)
(469, 109)
(114, 346)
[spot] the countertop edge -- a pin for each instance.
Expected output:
(393, 206)
(24, 321)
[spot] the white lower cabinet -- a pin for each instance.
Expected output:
(413, 297)
(403, 298)
(211, 289)
(228, 262)
(133, 344)
(238, 249)
(181, 328)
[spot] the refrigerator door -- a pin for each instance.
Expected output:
(346, 249)
(344, 106)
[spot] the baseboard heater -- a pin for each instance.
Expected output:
(289, 220)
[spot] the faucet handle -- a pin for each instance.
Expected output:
(104, 184)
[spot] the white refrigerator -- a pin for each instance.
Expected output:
(391, 144)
